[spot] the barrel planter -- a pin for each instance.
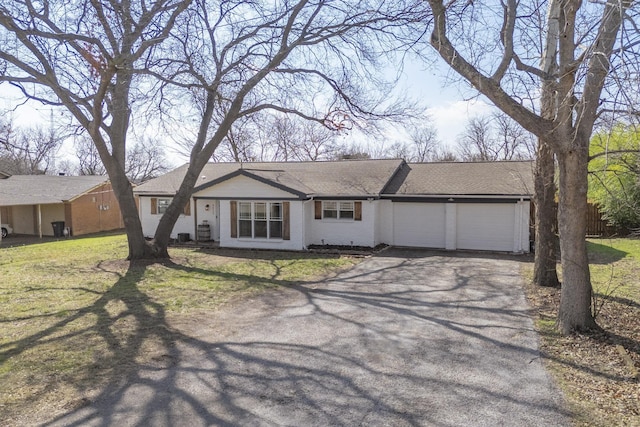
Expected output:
(204, 232)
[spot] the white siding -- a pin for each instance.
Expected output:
(486, 226)
(243, 187)
(344, 232)
(384, 221)
(419, 224)
(184, 224)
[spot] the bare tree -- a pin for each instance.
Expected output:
(28, 150)
(314, 60)
(475, 143)
(145, 159)
(424, 139)
(583, 45)
(86, 57)
(494, 137)
(89, 162)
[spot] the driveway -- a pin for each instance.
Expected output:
(406, 338)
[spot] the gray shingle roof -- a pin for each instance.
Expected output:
(45, 189)
(510, 178)
(358, 178)
(365, 178)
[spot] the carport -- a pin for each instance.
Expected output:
(32, 203)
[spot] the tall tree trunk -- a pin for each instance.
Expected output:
(138, 246)
(544, 271)
(575, 303)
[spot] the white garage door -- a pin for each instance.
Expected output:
(485, 226)
(419, 224)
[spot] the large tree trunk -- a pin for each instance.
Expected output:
(139, 248)
(544, 271)
(575, 302)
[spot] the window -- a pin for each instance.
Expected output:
(330, 209)
(337, 210)
(260, 220)
(244, 219)
(163, 204)
(346, 210)
(160, 206)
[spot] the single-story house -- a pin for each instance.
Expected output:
(31, 203)
(293, 205)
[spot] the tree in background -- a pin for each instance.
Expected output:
(494, 137)
(145, 160)
(614, 175)
(547, 65)
(28, 150)
(269, 137)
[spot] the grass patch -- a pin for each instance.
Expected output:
(598, 371)
(74, 315)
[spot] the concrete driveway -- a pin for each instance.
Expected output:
(405, 338)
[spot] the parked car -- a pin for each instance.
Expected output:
(6, 230)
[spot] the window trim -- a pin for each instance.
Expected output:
(162, 205)
(268, 220)
(155, 206)
(355, 210)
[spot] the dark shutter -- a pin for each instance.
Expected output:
(187, 208)
(357, 214)
(286, 234)
(318, 208)
(234, 218)
(154, 206)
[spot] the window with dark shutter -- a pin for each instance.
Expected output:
(154, 206)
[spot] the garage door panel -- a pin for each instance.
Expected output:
(419, 224)
(485, 226)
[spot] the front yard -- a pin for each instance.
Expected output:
(599, 371)
(74, 314)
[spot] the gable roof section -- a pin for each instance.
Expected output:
(506, 178)
(347, 178)
(45, 189)
(277, 179)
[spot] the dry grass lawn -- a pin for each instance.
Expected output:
(75, 316)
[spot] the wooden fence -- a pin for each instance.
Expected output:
(596, 226)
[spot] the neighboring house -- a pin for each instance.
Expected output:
(31, 203)
(293, 205)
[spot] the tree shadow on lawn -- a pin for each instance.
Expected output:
(603, 254)
(191, 379)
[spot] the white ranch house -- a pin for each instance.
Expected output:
(292, 205)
